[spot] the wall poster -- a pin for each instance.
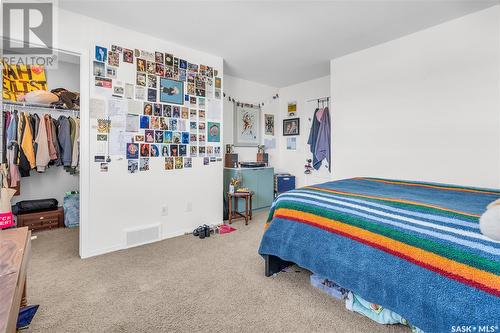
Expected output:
(246, 129)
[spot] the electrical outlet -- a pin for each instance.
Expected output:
(189, 207)
(164, 211)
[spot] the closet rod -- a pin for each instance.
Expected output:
(327, 98)
(36, 106)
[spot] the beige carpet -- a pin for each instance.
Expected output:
(182, 284)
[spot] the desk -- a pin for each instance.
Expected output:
(15, 252)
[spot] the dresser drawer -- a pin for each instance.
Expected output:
(41, 220)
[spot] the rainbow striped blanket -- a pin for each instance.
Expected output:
(414, 248)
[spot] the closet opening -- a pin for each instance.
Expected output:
(40, 150)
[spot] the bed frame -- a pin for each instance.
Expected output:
(275, 264)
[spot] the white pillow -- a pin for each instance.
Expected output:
(489, 223)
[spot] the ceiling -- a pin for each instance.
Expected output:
(277, 43)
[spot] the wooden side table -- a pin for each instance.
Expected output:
(234, 214)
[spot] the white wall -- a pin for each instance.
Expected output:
(115, 201)
(252, 93)
(293, 161)
(67, 75)
(422, 107)
(53, 183)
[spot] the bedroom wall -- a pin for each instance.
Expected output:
(249, 92)
(293, 161)
(118, 201)
(422, 107)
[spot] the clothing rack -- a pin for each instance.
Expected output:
(327, 98)
(322, 100)
(11, 105)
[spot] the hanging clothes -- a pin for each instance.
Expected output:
(319, 138)
(27, 141)
(42, 151)
(76, 145)
(322, 146)
(55, 141)
(12, 150)
(34, 142)
(50, 141)
(313, 135)
(64, 138)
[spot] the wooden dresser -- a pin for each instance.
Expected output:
(42, 220)
(15, 253)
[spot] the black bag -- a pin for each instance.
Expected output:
(31, 206)
(225, 211)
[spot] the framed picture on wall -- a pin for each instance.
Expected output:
(269, 124)
(246, 130)
(171, 91)
(291, 126)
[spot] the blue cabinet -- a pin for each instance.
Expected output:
(258, 180)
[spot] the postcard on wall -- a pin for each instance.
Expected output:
(103, 82)
(132, 150)
(134, 107)
(117, 107)
(144, 164)
(292, 109)
(99, 158)
(140, 92)
(133, 166)
(171, 91)
(129, 91)
(99, 69)
(214, 109)
(291, 143)
(113, 59)
(213, 132)
(118, 91)
(132, 123)
(97, 108)
(111, 72)
(101, 53)
(103, 125)
(128, 56)
(269, 124)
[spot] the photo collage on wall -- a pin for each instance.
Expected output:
(174, 93)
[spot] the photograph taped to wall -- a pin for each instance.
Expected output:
(171, 91)
(246, 129)
(140, 93)
(101, 53)
(133, 166)
(169, 163)
(144, 164)
(99, 69)
(213, 132)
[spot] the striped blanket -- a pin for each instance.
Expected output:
(414, 248)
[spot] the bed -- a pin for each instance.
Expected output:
(412, 247)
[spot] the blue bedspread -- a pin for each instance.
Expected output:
(414, 248)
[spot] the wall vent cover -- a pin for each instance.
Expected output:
(135, 237)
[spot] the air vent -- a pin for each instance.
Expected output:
(143, 235)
